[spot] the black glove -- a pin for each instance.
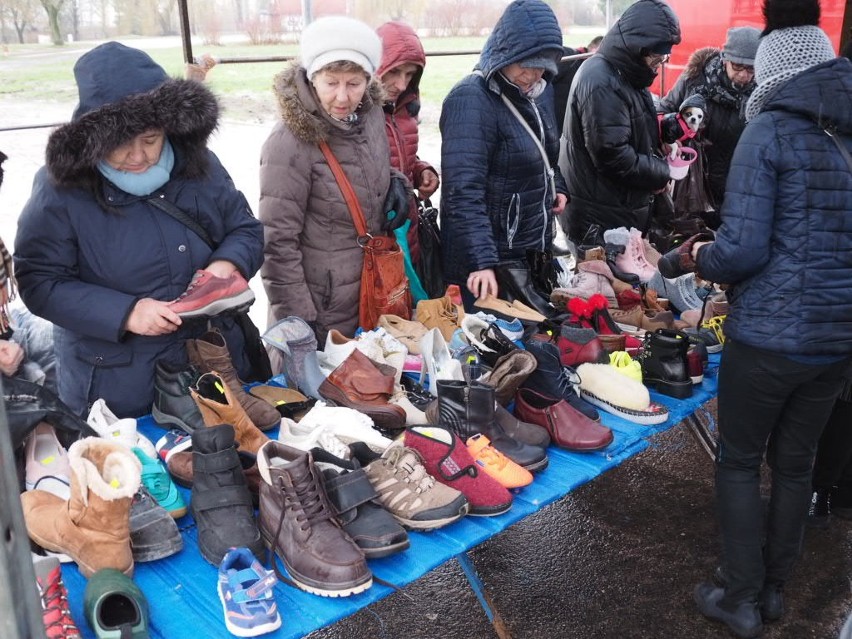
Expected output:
(397, 203)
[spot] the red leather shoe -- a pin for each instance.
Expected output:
(568, 427)
(579, 345)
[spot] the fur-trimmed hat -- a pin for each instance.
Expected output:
(741, 45)
(338, 38)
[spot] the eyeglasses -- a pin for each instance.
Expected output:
(740, 68)
(653, 59)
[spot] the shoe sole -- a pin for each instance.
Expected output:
(425, 525)
(170, 420)
(86, 570)
(678, 390)
(236, 304)
(154, 553)
(309, 585)
(489, 511)
(385, 551)
(637, 417)
(246, 632)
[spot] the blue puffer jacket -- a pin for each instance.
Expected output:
(495, 198)
(86, 251)
(786, 237)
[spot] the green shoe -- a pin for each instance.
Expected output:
(159, 483)
(115, 607)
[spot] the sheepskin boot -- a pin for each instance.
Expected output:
(218, 406)
(93, 526)
(210, 353)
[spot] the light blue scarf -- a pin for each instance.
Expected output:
(142, 183)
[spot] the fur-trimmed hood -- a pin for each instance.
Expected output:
(122, 94)
(698, 60)
(300, 108)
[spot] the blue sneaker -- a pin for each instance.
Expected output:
(245, 590)
(159, 483)
(514, 330)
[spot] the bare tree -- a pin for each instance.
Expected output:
(53, 7)
(21, 13)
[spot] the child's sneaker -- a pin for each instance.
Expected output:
(174, 441)
(496, 464)
(159, 483)
(56, 612)
(245, 589)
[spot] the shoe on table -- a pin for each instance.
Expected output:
(47, 465)
(744, 621)
(56, 613)
(174, 441)
(153, 532)
(209, 296)
(156, 479)
(509, 474)
(122, 431)
(115, 607)
(245, 590)
(173, 405)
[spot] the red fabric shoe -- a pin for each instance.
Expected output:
(208, 295)
(56, 613)
(447, 460)
(579, 345)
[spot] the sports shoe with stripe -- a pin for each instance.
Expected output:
(245, 590)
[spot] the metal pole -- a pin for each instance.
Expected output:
(185, 35)
(307, 16)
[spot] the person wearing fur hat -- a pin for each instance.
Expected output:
(610, 153)
(312, 266)
(403, 60)
(785, 250)
(94, 256)
(725, 79)
(499, 142)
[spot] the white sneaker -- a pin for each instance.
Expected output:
(121, 431)
(332, 428)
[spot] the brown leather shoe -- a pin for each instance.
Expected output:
(358, 383)
(568, 427)
(218, 406)
(298, 524)
(210, 353)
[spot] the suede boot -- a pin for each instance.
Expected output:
(296, 344)
(93, 526)
(221, 504)
(468, 409)
(218, 406)
(210, 353)
(664, 363)
(298, 524)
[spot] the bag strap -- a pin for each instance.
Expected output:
(167, 207)
(528, 128)
(846, 156)
(347, 190)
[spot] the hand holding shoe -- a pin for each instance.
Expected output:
(680, 260)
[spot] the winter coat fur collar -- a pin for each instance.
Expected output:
(300, 108)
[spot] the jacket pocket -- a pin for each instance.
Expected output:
(513, 218)
(98, 359)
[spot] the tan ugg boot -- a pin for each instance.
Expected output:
(93, 526)
(210, 353)
(219, 406)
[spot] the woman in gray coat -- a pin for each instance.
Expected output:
(312, 266)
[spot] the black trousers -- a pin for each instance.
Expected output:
(833, 466)
(768, 404)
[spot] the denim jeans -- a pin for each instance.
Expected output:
(772, 405)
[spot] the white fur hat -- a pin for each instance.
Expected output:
(337, 38)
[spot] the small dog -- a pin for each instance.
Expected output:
(683, 125)
(693, 116)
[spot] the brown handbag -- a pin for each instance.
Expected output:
(384, 286)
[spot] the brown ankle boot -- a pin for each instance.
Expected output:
(210, 353)
(93, 526)
(218, 406)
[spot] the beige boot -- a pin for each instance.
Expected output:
(210, 353)
(218, 405)
(93, 526)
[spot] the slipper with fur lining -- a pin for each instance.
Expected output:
(609, 390)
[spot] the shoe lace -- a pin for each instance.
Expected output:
(158, 484)
(715, 324)
(493, 457)
(57, 611)
(330, 443)
(405, 465)
(305, 500)
(193, 283)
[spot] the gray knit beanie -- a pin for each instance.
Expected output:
(741, 45)
(782, 54)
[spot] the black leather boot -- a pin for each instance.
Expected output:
(542, 271)
(221, 504)
(515, 282)
(468, 409)
(612, 251)
(664, 364)
(173, 405)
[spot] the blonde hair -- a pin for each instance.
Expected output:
(341, 66)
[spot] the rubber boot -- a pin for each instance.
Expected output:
(296, 345)
(468, 409)
(115, 606)
(664, 363)
(210, 353)
(93, 526)
(218, 406)
(221, 504)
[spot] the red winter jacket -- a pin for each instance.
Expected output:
(400, 45)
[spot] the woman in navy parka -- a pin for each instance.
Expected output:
(98, 260)
(498, 197)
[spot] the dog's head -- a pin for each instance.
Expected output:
(693, 116)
